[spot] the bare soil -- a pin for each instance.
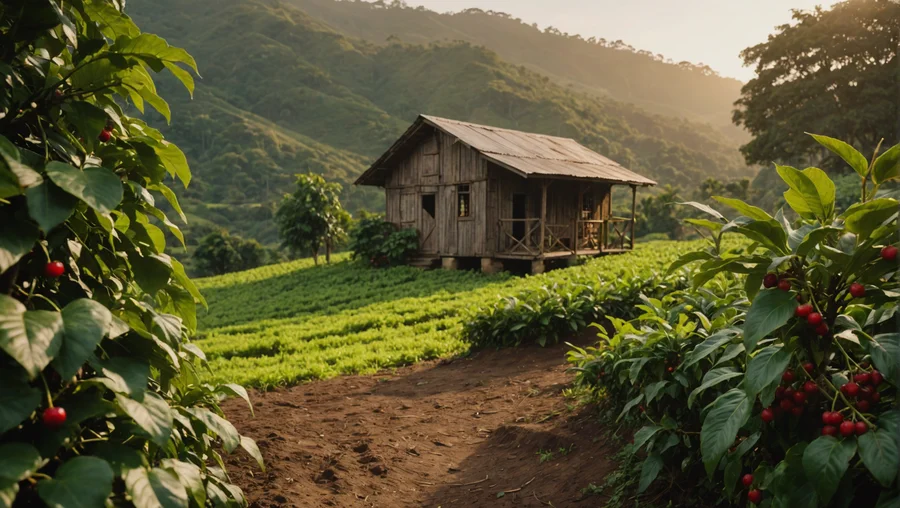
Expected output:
(444, 433)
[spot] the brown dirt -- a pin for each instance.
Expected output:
(444, 433)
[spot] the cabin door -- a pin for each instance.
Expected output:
(519, 211)
(427, 223)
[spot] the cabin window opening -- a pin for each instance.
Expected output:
(463, 201)
(428, 204)
(587, 206)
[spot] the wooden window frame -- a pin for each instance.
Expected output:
(468, 193)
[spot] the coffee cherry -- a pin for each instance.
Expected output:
(789, 393)
(863, 378)
(788, 376)
(876, 378)
(814, 319)
(822, 330)
(865, 393)
(54, 269)
(754, 496)
(836, 418)
(786, 404)
(104, 136)
(747, 480)
(826, 417)
(767, 415)
(857, 290)
(810, 387)
(863, 406)
(54, 417)
(797, 410)
(809, 367)
(804, 310)
(779, 393)
(829, 430)
(670, 369)
(875, 398)
(799, 397)
(850, 389)
(784, 285)
(771, 280)
(861, 428)
(888, 253)
(847, 429)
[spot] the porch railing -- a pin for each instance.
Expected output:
(523, 236)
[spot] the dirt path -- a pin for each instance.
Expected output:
(450, 433)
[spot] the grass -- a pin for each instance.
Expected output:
(288, 323)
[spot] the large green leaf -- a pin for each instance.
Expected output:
(31, 337)
(712, 343)
(174, 160)
(813, 238)
(25, 176)
(114, 23)
(48, 205)
(744, 209)
(124, 374)
(729, 412)
(652, 390)
(249, 445)
(219, 426)
(88, 119)
(712, 378)
(17, 237)
(18, 460)
(765, 368)
(190, 476)
(99, 187)
(152, 414)
(885, 350)
(805, 195)
(82, 482)
(17, 400)
(825, 461)
(850, 155)
(706, 209)
(879, 452)
(770, 310)
(156, 488)
(864, 218)
(85, 323)
(121, 458)
(887, 165)
(650, 469)
(644, 434)
(767, 233)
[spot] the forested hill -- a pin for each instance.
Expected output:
(284, 93)
(613, 68)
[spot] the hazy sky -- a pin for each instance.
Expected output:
(708, 31)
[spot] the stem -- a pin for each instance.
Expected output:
(47, 391)
(42, 297)
(871, 166)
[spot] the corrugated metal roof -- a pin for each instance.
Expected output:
(528, 154)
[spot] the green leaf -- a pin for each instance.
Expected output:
(152, 414)
(729, 412)
(885, 349)
(643, 435)
(887, 165)
(804, 195)
(121, 458)
(744, 209)
(190, 477)
(156, 488)
(630, 404)
(706, 209)
(17, 401)
(825, 461)
(769, 234)
(85, 323)
(17, 237)
(879, 452)
(88, 120)
(113, 23)
(25, 176)
(124, 374)
(712, 378)
(236, 390)
(653, 389)
(814, 238)
(770, 310)
(174, 161)
(249, 445)
(48, 205)
(82, 482)
(850, 155)
(99, 187)
(864, 218)
(712, 343)
(18, 461)
(170, 197)
(650, 469)
(765, 368)
(31, 337)
(715, 227)
(151, 272)
(219, 426)
(690, 257)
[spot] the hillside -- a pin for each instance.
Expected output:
(611, 68)
(284, 93)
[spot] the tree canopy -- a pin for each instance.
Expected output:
(312, 217)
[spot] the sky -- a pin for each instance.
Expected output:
(709, 31)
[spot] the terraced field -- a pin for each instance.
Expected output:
(291, 322)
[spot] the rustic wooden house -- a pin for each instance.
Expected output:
(474, 191)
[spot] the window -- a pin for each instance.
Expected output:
(428, 204)
(587, 206)
(463, 203)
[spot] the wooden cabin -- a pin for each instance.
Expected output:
(474, 191)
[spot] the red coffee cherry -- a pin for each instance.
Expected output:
(784, 285)
(814, 319)
(786, 404)
(797, 410)
(857, 290)
(847, 429)
(861, 428)
(771, 280)
(767, 415)
(779, 393)
(863, 378)
(863, 406)
(754, 496)
(804, 310)
(788, 376)
(799, 397)
(888, 253)
(54, 417)
(876, 378)
(54, 269)
(747, 480)
(809, 367)
(104, 136)
(810, 387)
(829, 430)
(875, 398)
(850, 389)
(822, 329)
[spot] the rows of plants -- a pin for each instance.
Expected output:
(773, 380)
(291, 322)
(100, 398)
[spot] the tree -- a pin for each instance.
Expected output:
(312, 217)
(832, 71)
(100, 402)
(220, 252)
(657, 214)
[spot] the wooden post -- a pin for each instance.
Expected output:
(543, 212)
(633, 203)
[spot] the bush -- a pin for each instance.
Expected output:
(380, 243)
(220, 253)
(792, 387)
(99, 399)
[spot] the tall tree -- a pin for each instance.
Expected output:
(312, 217)
(834, 72)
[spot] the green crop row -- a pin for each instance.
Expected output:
(286, 323)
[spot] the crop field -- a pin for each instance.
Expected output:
(291, 322)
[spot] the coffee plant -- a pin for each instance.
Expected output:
(779, 387)
(100, 402)
(380, 243)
